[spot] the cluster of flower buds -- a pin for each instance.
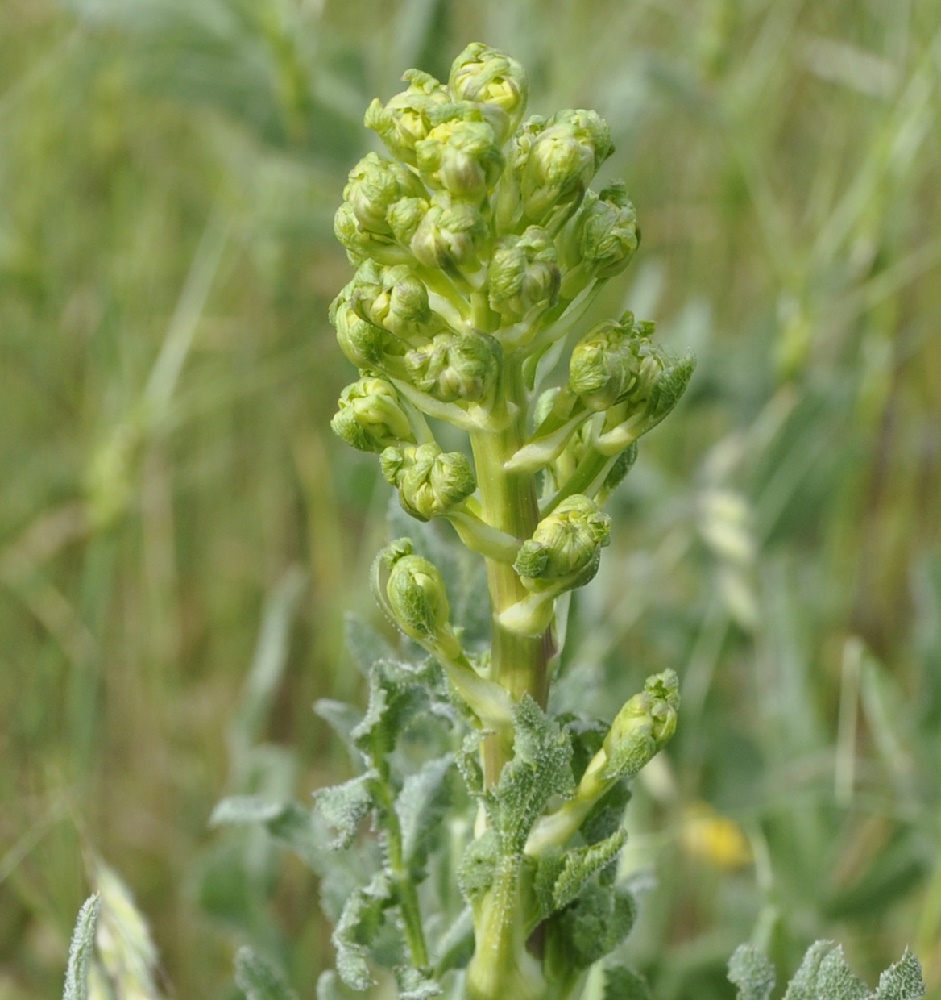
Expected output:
(478, 243)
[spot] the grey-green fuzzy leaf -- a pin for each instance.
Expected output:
(258, 980)
(752, 973)
(344, 806)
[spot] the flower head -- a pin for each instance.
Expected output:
(455, 367)
(416, 594)
(431, 482)
(489, 76)
(461, 157)
(565, 549)
(405, 119)
(556, 159)
(371, 416)
(374, 185)
(523, 274)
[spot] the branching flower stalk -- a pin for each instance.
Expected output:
(478, 245)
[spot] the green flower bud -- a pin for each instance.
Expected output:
(663, 390)
(416, 594)
(404, 120)
(489, 76)
(642, 727)
(371, 416)
(431, 482)
(455, 367)
(361, 244)
(606, 363)
(523, 274)
(374, 185)
(461, 157)
(450, 237)
(555, 160)
(364, 344)
(394, 298)
(404, 218)
(604, 235)
(565, 549)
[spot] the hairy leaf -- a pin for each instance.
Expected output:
(752, 973)
(902, 981)
(414, 984)
(581, 865)
(357, 930)
(594, 925)
(621, 983)
(541, 768)
(344, 806)
(258, 980)
(421, 805)
(824, 975)
(365, 644)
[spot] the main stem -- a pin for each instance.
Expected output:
(508, 501)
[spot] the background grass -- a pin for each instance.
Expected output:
(174, 509)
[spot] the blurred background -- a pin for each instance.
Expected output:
(180, 534)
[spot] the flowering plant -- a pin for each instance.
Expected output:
(489, 866)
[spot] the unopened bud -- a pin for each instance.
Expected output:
(371, 416)
(606, 362)
(643, 726)
(556, 160)
(565, 549)
(416, 594)
(523, 274)
(604, 234)
(404, 120)
(363, 343)
(361, 244)
(455, 367)
(449, 237)
(375, 184)
(461, 157)
(394, 298)
(489, 76)
(431, 483)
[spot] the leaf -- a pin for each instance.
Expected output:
(621, 983)
(414, 984)
(468, 763)
(541, 768)
(456, 945)
(463, 573)
(81, 950)
(752, 973)
(398, 693)
(421, 805)
(258, 980)
(824, 975)
(328, 986)
(581, 865)
(244, 809)
(478, 866)
(357, 929)
(342, 718)
(594, 925)
(344, 806)
(902, 981)
(365, 644)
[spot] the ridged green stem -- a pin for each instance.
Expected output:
(508, 503)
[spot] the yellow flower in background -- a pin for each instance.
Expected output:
(713, 839)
